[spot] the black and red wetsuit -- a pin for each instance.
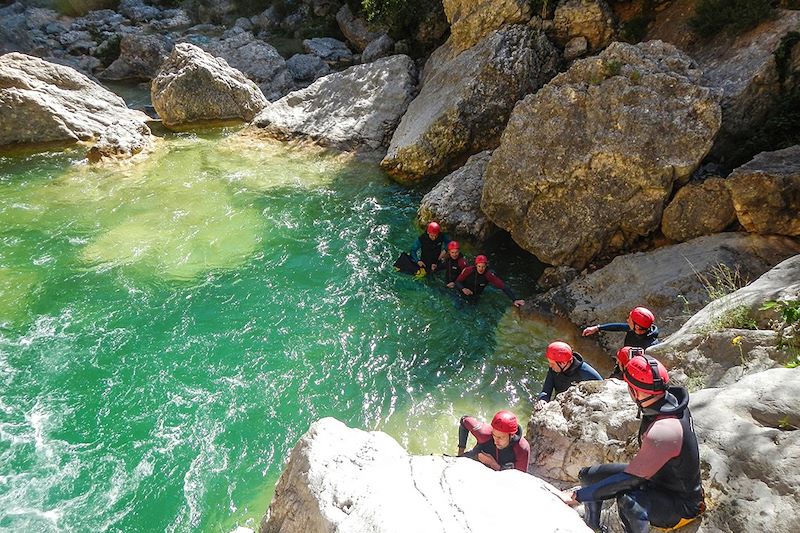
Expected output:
(661, 485)
(515, 455)
(452, 268)
(473, 280)
(428, 250)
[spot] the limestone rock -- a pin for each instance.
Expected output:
(472, 20)
(140, 57)
(587, 163)
(137, 11)
(333, 51)
(307, 67)
(43, 102)
(356, 109)
(121, 140)
(552, 277)
(575, 48)
(342, 479)
(193, 86)
(355, 30)
(380, 47)
(592, 19)
(465, 102)
(766, 192)
(698, 209)
(666, 280)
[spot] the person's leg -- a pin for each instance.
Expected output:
(632, 508)
(589, 476)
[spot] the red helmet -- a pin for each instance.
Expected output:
(482, 259)
(642, 317)
(559, 352)
(626, 353)
(505, 422)
(645, 374)
(434, 228)
(453, 245)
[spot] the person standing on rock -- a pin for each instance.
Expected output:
(661, 485)
(429, 248)
(640, 332)
(501, 445)
(453, 264)
(566, 368)
(474, 279)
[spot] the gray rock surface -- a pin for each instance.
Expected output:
(472, 20)
(307, 67)
(698, 208)
(593, 156)
(342, 479)
(333, 51)
(44, 102)
(592, 19)
(194, 86)
(456, 201)
(121, 140)
(378, 48)
(766, 192)
(140, 58)
(465, 102)
(355, 30)
(356, 109)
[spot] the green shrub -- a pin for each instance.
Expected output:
(737, 317)
(713, 16)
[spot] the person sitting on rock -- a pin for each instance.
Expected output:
(566, 367)
(429, 248)
(501, 445)
(639, 328)
(453, 264)
(474, 279)
(661, 485)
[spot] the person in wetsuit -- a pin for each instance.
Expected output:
(474, 279)
(429, 248)
(661, 485)
(640, 332)
(501, 445)
(566, 368)
(453, 264)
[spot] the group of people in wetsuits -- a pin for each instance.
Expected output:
(661, 485)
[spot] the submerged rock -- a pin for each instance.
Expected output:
(121, 140)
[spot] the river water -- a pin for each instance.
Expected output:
(170, 328)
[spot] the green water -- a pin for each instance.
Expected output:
(169, 329)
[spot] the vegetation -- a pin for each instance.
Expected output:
(736, 317)
(735, 16)
(401, 17)
(722, 280)
(789, 317)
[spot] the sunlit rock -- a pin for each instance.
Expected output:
(471, 20)
(590, 19)
(698, 208)
(121, 140)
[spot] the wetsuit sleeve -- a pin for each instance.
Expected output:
(462, 264)
(492, 278)
(547, 388)
(614, 326)
(482, 432)
(415, 248)
(522, 454)
(661, 442)
(609, 487)
(463, 276)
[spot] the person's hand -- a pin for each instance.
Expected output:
(489, 461)
(591, 330)
(539, 405)
(519, 303)
(460, 452)
(568, 497)
(433, 267)
(421, 264)
(467, 292)
(450, 285)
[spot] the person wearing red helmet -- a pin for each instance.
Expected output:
(640, 332)
(661, 485)
(500, 446)
(429, 248)
(474, 279)
(453, 264)
(566, 368)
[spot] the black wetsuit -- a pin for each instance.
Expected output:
(452, 267)
(579, 370)
(473, 280)
(428, 250)
(633, 339)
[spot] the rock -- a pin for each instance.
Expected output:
(342, 479)
(355, 30)
(307, 67)
(592, 19)
(750, 452)
(465, 102)
(193, 86)
(217, 12)
(122, 139)
(702, 352)
(472, 20)
(380, 47)
(456, 201)
(333, 51)
(137, 11)
(171, 20)
(140, 58)
(575, 48)
(99, 21)
(356, 109)
(698, 208)
(666, 280)
(553, 277)
(593, 156)
(44, 102)
(766, 192)
(432, 28)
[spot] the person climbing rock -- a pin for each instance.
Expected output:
(566, 367)
(453, 264)
(500, 446)
(474, 279)
(640, 332)
(661, 485)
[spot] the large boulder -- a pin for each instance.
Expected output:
(673, 281)
(356, 109)
(472, 20)
(698, 208)
(342, 479)
(194, 86)
(355, 29)
(465, 102)
(590, 19)
(456, 200)
(43, 102)
(140, 57)
(766, 192)
(305, 68)
(588, 162)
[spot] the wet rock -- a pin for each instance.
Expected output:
(121, 140)
(594, 155)
(140, 58)
(380, 47)
(355, 30)
(193, 86)
(307, 67)
(698, 208)
(333, 51)
(472, 20)
(592, 19)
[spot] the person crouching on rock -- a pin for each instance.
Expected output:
(501, 445)
(453, 264)
(429, 248)
(474, 279)
(566, 367)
